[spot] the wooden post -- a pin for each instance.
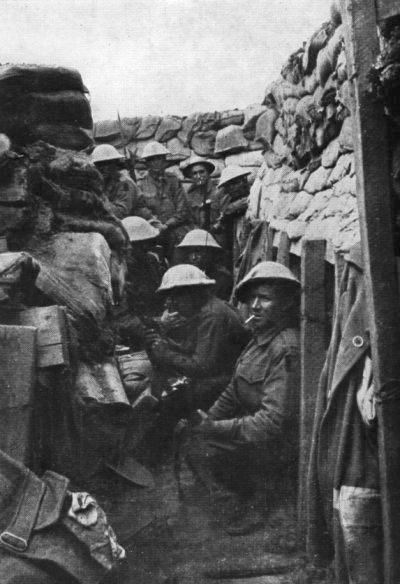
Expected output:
(339, 267)
(312, 342)
(283, 249)
(373, 194)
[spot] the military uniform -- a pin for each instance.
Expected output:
(251, 442)
(206, 352)
(123, 197)
(197, 196)
(166, 199)
(143, 278)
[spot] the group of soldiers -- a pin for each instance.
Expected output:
(231, 385)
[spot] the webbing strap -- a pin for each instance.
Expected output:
(16, 536)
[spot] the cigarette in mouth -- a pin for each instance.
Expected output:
(249, 319)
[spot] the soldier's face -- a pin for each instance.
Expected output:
(199, 174)
(264, 305)
(181, 302)
(237, 187)
(197, 256)
(156, 163)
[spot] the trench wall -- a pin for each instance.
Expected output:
(296, 142)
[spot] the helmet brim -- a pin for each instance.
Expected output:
(242, 289)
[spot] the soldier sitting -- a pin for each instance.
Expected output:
(249, 436)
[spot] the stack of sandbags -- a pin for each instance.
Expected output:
(45, 103)
(306, 185)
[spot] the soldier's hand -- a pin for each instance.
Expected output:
(205, 424)
(171, 320)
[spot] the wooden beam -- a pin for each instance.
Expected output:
(283, 254)
(17, 383)
(373, 194)
(312, 342)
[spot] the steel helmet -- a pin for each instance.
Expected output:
(186, 165)
(154, 149)
(138, 229)
(230, 173)
(105, 152)
(199, 238)
(263, 272)
(184, 275)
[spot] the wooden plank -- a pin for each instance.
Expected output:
(373, 194)
(339, 267)
(17, 382)
(387, 8)
(52, 334)
(283, 254)
(312, 343)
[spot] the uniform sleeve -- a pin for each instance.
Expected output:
(124, 198)
(226, 405)
(279, 403)
(183, 213)
(203, 362)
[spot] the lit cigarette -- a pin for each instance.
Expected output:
(249, 319)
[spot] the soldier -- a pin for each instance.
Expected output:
(144, 273)
(204, 199)
(250, 433)
(210, 340)
(164, 196)
(200, 249)
(123, 198)
(233, 207)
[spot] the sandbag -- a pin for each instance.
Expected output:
(231, 117)
(342, 167)
(177, 150)
(318, 180)
(198, 122)
(346, 136)
(254, 158)
(281, 90)
(265, 126)
(129, 127)
(28, 78)
(69, 106)
(75, 272)
(317, 41)
(168, 128)
(317, 205)
(331, 154)
(67, 136)
(76, 170)
(203, 143)
(251, 115)
(148, 127)
(299, 204)
(230, 140)
(292, 70)
(106, 130)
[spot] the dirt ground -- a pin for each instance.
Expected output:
(182, 541)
